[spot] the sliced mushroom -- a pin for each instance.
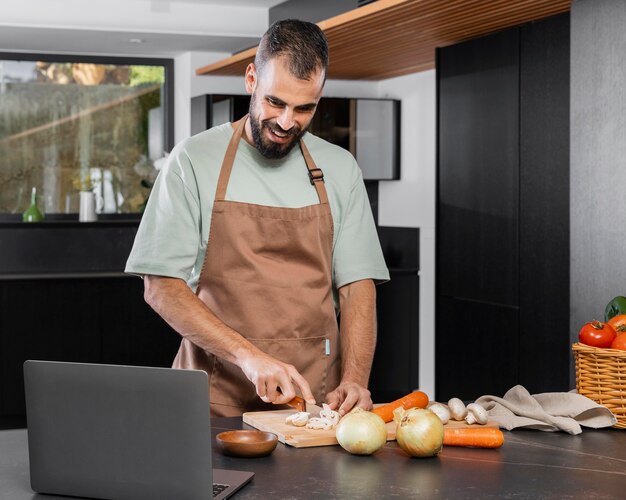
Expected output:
(441, 411)
(457, 409)
(319, 423)
(299, 419)
(476, 414)
(330, 415)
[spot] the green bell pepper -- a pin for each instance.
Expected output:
(615, 307)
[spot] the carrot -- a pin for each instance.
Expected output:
(482, 437)
(417, 399)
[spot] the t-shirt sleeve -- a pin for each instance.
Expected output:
(357, 253)
(168, 237)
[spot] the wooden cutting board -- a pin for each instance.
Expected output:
(301, 437)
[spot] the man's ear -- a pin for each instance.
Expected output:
(251, 78)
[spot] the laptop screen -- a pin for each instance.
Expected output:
(109, 431)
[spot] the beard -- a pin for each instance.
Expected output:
(270, 149)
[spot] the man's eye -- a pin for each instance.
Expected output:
(273, 102)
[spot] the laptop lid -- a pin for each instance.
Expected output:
(123, 432)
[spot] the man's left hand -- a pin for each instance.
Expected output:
(349, 395)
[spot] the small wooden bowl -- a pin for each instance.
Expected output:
(247, 444)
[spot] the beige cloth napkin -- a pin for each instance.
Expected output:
(550, 411)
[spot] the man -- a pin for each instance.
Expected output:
(270, 243)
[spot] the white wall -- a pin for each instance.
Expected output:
(410, 202)
(187, 85)
(182, 97)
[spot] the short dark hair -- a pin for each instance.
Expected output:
(303, 43)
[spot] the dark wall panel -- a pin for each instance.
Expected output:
(478, 169)
(477, 347)
(503, 212)
(544, 205)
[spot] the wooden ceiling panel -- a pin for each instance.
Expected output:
(396, 37)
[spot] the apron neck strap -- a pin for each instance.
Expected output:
(316, 175)
(229, 159)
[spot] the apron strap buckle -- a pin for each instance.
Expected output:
(316, 174)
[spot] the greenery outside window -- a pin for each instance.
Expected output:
(71, 124)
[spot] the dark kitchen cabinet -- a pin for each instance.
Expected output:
(63, 297)
(44, 320)
(395, 370)
(89, 320)
(131, 332)
(502, 250)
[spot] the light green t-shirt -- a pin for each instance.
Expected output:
(174, 230)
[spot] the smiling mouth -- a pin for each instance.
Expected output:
(279, 136)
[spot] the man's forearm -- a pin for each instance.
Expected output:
(174, 301)
(358, 330)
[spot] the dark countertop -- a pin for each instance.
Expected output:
(64, 248)
(530, 465)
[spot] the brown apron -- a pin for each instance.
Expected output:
(267, 274)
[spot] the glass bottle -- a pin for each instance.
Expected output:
(32, 213)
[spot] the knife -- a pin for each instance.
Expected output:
(301, 405)
(297, 403)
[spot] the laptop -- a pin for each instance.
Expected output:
(122, 432)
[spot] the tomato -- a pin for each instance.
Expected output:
(619, 342)
(618, 323)
(596, 334)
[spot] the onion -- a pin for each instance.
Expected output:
(419, 432)
(361, 432)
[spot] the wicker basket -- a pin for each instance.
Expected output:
(601, 376)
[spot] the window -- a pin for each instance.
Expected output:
(71, 124)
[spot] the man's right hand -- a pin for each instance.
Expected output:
(274, 380)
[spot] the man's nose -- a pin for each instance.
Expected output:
(285, 120)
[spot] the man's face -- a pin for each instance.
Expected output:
(281, 108)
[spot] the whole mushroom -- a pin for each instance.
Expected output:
(457, 409)
(476, 414)
(441, 411)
